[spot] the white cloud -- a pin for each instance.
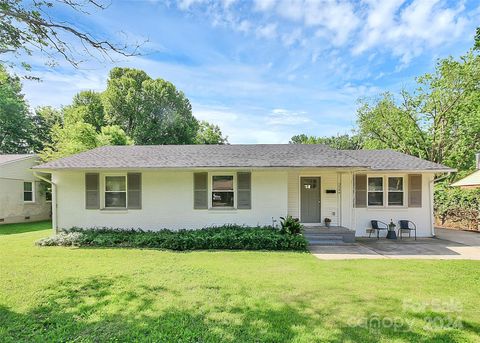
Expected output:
(244, 26)
(268, 31)
(264, 5)
(407, 30)
(186, 4)
(402, 28)
(292, 37)
(281, 116)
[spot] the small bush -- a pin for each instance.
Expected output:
(230, 237)
(62, 239)
(290, 225)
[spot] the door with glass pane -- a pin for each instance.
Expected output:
(310, 200)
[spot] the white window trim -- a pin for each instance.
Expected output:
(105, 192)
(385, 191)
(33, 192)
(403, 191)
(210, 190)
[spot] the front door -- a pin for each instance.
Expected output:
(310, 199)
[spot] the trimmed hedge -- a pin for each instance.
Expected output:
(231, 237)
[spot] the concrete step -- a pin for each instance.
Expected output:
(314, 243)
(330, 237)
(310, 236)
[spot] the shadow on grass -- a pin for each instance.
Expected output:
(11, 229)
(100, 309)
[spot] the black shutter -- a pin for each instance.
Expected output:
(200, 191)
(134, 183)
(92, 191)
(244, 191)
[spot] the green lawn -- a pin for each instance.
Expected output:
(70, 294)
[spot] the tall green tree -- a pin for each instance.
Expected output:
(342, 142)
(210, 134)
(16, 127)
(439, 121)
(44, 119)
(75, 135)
(90, 105)
(150, 111)
(476, 45)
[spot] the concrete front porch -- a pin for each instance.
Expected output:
(333, 235)
(422, 248)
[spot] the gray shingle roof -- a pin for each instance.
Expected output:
(14, 157)
(198, 156)
(241, 155)
(393, 160)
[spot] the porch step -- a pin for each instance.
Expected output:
(328, 236)
(319, 244)
(324, 236)
(315, 242)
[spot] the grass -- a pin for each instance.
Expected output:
(88, 295)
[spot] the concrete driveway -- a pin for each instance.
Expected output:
(449, 245)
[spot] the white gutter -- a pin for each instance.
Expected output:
(432, 215)
(54, 199)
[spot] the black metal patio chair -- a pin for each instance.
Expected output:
(378, 226)
(407, 225)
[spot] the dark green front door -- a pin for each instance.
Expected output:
(310, 199)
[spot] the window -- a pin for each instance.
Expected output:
(28, 191)
(222, 191)
(375, 191)
(395, 191)
(115, 191)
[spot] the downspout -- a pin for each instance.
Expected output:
(54, 199)
(431, 192)
(353, 219)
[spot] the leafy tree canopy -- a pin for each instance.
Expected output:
(439, 121)
(16, 127)
(44, 119)
(476, 45)
(150, 111)
(342, 142)
(210, 134)
(90, 105)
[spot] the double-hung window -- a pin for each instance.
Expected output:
(375, 191)
(395, 191)
(222, 191)
(28, 191)
(116, 191)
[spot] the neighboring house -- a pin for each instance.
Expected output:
(472, 180)
(193, 186)
(23, 197)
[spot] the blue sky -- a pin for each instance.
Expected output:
(268, 69)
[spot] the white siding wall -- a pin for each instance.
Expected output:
(422, 216)
(167, 202)
(346, 199)
(12, 207)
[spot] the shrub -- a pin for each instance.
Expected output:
(457, 205)
(62, 239)
(290, 225)
(231, 237)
